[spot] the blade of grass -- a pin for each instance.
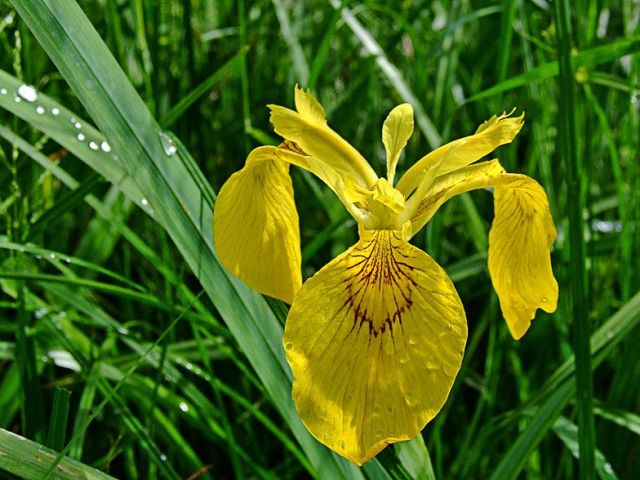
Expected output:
(567, 431)
(58, 421)
(587, 58)
(31, 460)
(578, 281)
(297, 55)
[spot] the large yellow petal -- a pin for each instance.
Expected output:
(496, 131)
(255, 226)
(375, 340)
(520, 239)
(308, 129)
(396, 131)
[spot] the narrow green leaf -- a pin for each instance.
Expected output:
(58, 420)
(587, 58)
(577, 253)
(31, 460)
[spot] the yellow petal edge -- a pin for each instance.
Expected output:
(375, 340)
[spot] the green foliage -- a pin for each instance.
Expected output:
(126, 347)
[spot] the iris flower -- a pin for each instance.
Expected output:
(375, 338)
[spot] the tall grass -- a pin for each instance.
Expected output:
(127, 350)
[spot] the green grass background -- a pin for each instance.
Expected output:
(125, 346)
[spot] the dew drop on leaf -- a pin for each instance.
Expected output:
(28, 93)
(168, 145)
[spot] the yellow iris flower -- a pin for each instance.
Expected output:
(375, 339)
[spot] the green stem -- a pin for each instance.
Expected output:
(581, 328)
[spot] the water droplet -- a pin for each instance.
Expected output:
(411, 400)
(41, 312)
(3, 91)
(93, 145)
(608, 468)
(62, 315)
(17, 99)
(412, 341)
(55, 111)
(72, 119)
(8, 20)
(28, 93)
(188, 366)
(40, 110)
(52, 256)
(38, 257)
(67, 260)
(122, 330)
(81, 137)
(178, 360)
(404, 360)
(163, 457)
(449, 327)
(105, 147)
(288, 346)
(168, 145)
(144, 202)
(544, 299)
(184, 407)
(78, 125)
(431, 365)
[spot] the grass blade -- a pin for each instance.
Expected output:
(31, 460)
(579, 282)
(59, 416)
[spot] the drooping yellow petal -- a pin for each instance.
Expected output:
(255, 227)
(519, 253)
(396, 131)
(309, 130)
(375, 340)
(519, 241)
(496, 131)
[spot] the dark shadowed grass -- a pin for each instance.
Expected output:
(124, 344)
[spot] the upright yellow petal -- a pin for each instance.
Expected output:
(308, 129)
(375, 340)
(520, 239)
(255, 227)
(396, 131)
(496, 131)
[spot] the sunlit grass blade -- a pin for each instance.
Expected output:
(567, 431)
(31, 460)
